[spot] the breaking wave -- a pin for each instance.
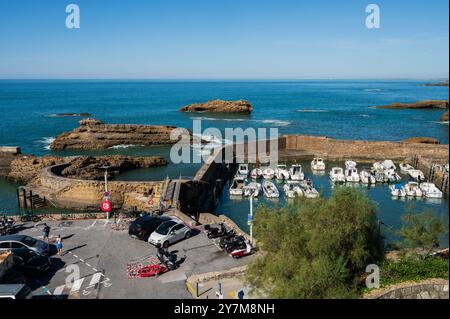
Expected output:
(46, 141)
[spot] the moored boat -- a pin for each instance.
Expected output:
(366, 177)
(416, 175)
(243, 170)
(252, 189)
(413, 189)
(350, 164)
(317, 164)
(256, 173)
(337, 175)
(237, 188)
(268, 173)
(397, 190)
(351, 175)
(430, 190)
(281, 172)
(270, 190)
(405, 167)
(292, 189)
(296, 172)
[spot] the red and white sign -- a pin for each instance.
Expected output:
(106, 206)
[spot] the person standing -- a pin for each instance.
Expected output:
(59, 245)
(46, 232)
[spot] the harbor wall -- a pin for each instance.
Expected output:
(7, 155)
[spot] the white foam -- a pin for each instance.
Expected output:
(122, 146)
(373, 90)
(313, 111)
(275, 122)
(47, 141)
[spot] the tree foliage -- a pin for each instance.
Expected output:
(315, 248)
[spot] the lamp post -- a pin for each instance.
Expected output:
(251, 218)
(106, 194)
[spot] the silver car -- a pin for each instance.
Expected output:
(169, 232)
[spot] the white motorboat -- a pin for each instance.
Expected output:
(270, 190)
(337, 175)
(309, 191)
(293, 189)
(413, 189)
(350, 164)
(380, 177)
(268, 173)
(351, 175)
(281, 172)
(416, 175)
(243, 170)
(397, 190)
(256, 173)
(296, 172)
(252, 189)
(430, 190)
(405, 168)
(378, 167)
(392, 176)
(388, 164)
(366, 177)
(317, 164)
(237, 188)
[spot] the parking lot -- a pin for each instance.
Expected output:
(95, 260)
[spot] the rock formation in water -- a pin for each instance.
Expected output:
(220, 106)
(422, 140)
(431, 104)
(443, 83)
(92, 134)
(444, 117)
(26, 168)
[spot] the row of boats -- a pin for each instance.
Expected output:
(415, 189)
(380, 172)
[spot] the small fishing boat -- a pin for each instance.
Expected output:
(296, 172)
(337, 175)
(252, 189)
(416, 174)
(388, 164)
(293, 189)
(237, 188)
(366, 177)
(281, 172)
(405, 168)
(308, 190)
(392, 176)
(430, 190)
(378, 167)
(351, 175)
(270, 190)
(317, 164)
(413, 189)
(243, 170)
(380, 177)
(397, 190)
(256, 173)
(268, 173)
(350, 164)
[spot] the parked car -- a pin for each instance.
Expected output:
(31, 263)
(169, 232)
(18, 243)
(142, 227)
(16, 291)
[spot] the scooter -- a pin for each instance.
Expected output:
(233, 243)
(29, 217)
(216, 232)
(166, 258)
(228, 237)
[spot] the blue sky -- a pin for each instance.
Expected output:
(224, 39)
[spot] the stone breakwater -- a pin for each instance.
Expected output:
(94, 135)
(220, 106)
(25, 168)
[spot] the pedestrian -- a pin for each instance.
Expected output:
(59, 245)
(46, 232)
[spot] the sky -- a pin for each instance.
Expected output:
(224, 39)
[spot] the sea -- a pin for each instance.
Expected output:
(341, 109)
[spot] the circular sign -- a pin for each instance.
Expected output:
(106, 206)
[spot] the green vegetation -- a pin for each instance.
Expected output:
(412, 268)
(316, 248)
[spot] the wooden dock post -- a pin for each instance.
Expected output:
(24, 194)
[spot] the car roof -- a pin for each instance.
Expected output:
(12, 238)
(11, 289)
(173, 222)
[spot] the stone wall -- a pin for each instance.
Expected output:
(427, 289)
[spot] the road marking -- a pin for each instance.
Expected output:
(88, 265)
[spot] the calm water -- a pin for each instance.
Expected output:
(339, 109)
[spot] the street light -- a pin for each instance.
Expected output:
(105, 194)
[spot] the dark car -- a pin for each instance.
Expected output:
(20, 243)
(16, 291)
(142, 227)
(31, 263)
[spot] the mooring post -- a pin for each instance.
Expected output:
(18, 198)
(24, 194)
(31, 200)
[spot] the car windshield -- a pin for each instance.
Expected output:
(28, 241)
(164, 228)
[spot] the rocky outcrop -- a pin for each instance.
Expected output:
(422, 140)
(431, 104)
(26, 168)
(444, 117)
(443, 83)
(220, 106)
(93, 134)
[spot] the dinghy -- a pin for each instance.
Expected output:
(317, 164)
(337, 175)
(380, 177)
(397, 190)
(351, 175)
(237, 188)
(270, 190)
(366, 177)
(392, 176)
(281, 172)
(377, 167)
(268, 173)
(308, 190)
(243, 170)
(413, 189)
(430, 190)
(256, 173)
(296, 172)
(293, 189)
(405, 168)
(416, 174)
(252, 189)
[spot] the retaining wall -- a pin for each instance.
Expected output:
(427, 289)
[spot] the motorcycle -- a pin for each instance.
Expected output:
(226, 238)
(233, 242)
(166, 258)
(29, 217)
(6, 225)
(216, 232)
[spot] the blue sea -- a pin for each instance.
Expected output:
(341, 109)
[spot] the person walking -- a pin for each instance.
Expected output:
(46, 232)
(59, 245)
